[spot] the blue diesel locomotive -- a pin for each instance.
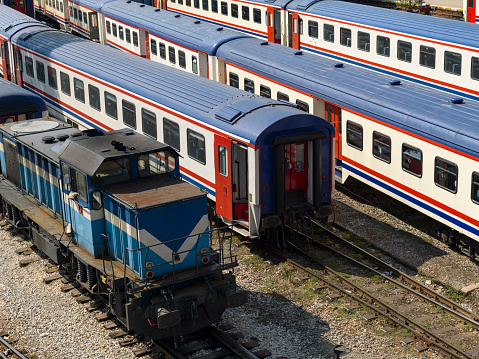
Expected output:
(113, 209)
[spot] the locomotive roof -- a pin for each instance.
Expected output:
(429, 27)
(214, 104)
(182, 30)
(15, 100)
(87, 153)
(414, 108)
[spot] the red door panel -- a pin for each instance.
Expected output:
(295, 31)
(18, 66)
(296, 167)
(147, 43)
(224, 198)
(333, 115)
(270, 24)
(471, 11)
(163, 4)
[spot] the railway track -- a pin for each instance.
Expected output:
(10, 350)
(431, 319)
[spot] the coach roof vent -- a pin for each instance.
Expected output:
(457, 100)
(263, 43)
(395, 82)
(156, 10)
(298, 52)
(48, 139)
(177, 16)
(142, 5)
(339, 65)
(219, 29)
(197, 22)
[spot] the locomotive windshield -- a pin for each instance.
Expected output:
(113, 171)
(154, 163)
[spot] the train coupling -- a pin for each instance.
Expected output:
(236, 298)
(168, 319)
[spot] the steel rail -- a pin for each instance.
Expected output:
(230, 343)
(10, 347)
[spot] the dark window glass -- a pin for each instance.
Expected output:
(75, 14)
(114, 31)
(382, 147)
(154, 163)
(404, 51)
(135, 38)
(94, 97)
(282, 96)
(412, 160)
(128, 35)
(171, 54)
(249, 85)
(108, 27)
(61, 7)
(313, 29)
(180, 2)
(194, 64)
(445, 175)
(196, 146)
(120, 32)
(40, 71)
(265, 91)
(345, 37)
(205, 5)
(427, 56)
(214, 5)
(354, 135)
(234, 10)
(181, 59)
(65, 83)
(188, 3)
(29, 66)
(196, 3)
(112, 171)
(328, 33)
(153, 47)
(148, 120)
(302, 105)
(383, 46)
(110, 105)
(224, 8)
(79, 90)
(234, 80)
(162, 50)
(475, 188)
(363, 41)
(223, 160)
(452, 62)
(85, 19)
(78, 180)
(257, 16)
(52, 77)
(475, 68)
(171, 134)
(245, 13)
(129, 114)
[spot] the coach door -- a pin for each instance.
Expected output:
(471, 11)
(94, 28)
(293, 30)
(224, 197)
(333, 115)
(18, 66)
(274, 25)
(296, 172)
(3, 55)
(147, 44)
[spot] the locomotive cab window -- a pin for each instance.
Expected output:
(154, 163)
(354, 135)
(328, 33)
(475, 68)
(223, 160)
(29, 66)
(475, 188)
(427, 57)
(445, 175)
(148, 121)
(110, 105)
(196, 146)
(313, 29)
(79, 89)
(94, 97)
(404, 51)
(363, 41)
(40, 71)
(265, 91)
(234, 80)
(52, 77)
(171, 134)
(78, 184)
(452, 62)
(65, 83)
(412, 160)
(382, 147)
(345, 37)
(129, 114)
(383, 46)
(112, 171)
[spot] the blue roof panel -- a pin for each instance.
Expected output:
(91, 4)
(15, 100)
(12, 21)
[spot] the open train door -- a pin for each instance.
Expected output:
(296, 172)
(4, 56)
(94, 28)
(147, 45)
(224, 198)
(333, 115)
(18, 66)
(274, 25)
(471, 11)
(293, 27)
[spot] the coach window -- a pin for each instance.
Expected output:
(345, 37)
(249, 85)
(180, 2)
(282, 96)
(205, 5)
(120, 32)
(181, 59)
(404, 51)
(148, 122)
(452, 62)
(313, 29)
(224, 8)
(108, 27)
(382, 147)
(188, 3)
(135, 38)
(383, 46)
(196, 3)
(52, 77)
(412, 160)
(94, 97)
(61, 7)
(171, 134)
(71, 12)
(234, 80)
(363, 41)
(79, 90)
(475, 187)
(128, 35)
(162, 50)
(223, 160)
(265, 91)
(302, 105)
(110, 105)
(129, 113)
(29, 66)
(234, 10)
(328, 33)
(257, 16)
(214, 6)
(65, 83)
(153, 48)
(196, 146)
(85, 19)
(78, 183)
(79, 16)
(194, 64)
(114, 30)
(445, 175)
(427, 56)
(475, 68)
(171, 54)
(245, 13)
(75, 14)
(40, 71)
(354, 135)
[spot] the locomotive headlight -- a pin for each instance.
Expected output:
(148, 265)
(205, 260)
(204, 250)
